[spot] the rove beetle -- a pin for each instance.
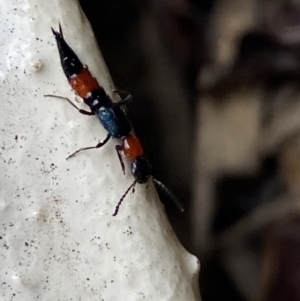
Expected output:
(110, 115)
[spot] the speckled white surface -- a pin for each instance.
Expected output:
(58, 239)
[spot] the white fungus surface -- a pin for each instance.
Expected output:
(58, 239)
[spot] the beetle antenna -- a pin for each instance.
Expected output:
(123, 197)
(166, 190)
(60, 30)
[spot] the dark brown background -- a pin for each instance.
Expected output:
(217, 104)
